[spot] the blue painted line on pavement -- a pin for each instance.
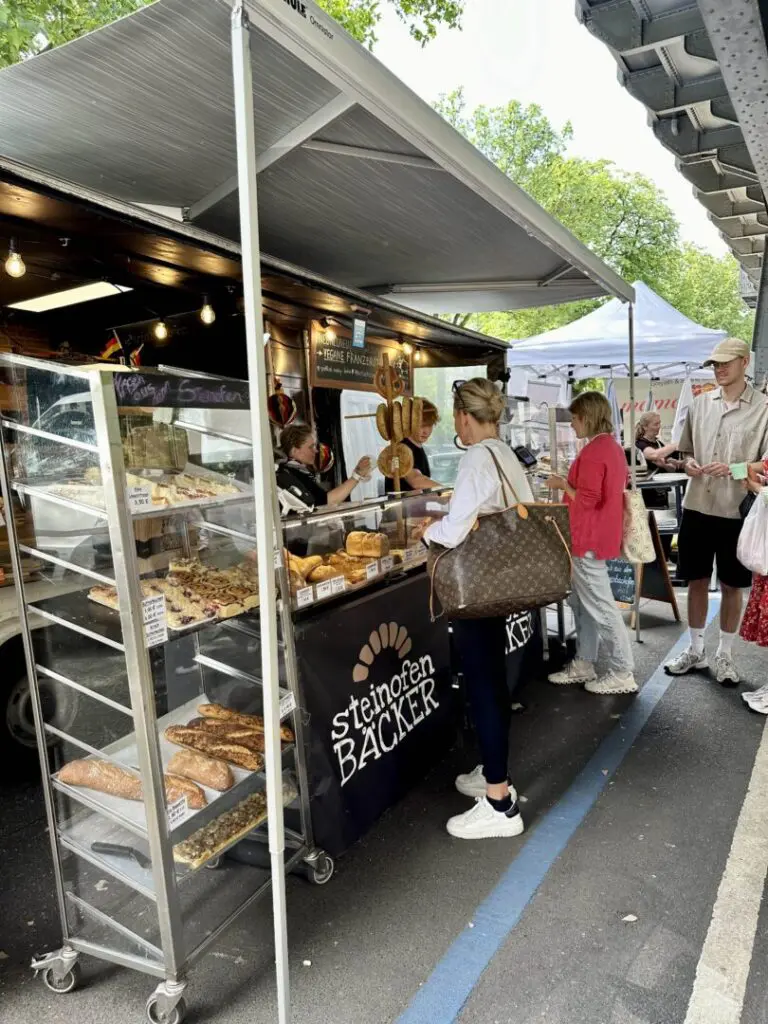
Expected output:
(441, 998)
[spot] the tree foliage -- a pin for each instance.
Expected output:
(29, 26)
(624, 218)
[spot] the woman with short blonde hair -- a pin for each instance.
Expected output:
(594, 492)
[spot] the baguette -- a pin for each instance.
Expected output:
(256, 722)
(105, 777)
(199, 768)
(195, 739)
(230, 732)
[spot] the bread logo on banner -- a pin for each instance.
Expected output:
(380, 714)
(387, 635)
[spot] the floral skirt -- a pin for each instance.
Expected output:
(754, 625)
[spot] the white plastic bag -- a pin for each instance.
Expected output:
(752, 549)
(637, 542)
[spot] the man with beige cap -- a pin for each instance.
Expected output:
(724, 429)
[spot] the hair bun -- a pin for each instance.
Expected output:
(482, 399)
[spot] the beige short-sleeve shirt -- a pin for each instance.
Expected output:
(713, 433)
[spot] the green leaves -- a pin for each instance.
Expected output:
(623, 217)
(423, 17)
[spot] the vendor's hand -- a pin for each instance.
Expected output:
(417, 532)
(556, 483)
(717, 470)
(693, 469)
(364, 467)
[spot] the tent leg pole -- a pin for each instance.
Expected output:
(633, 466)
(264, 485)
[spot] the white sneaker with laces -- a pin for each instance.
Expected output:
(483, 822)
(473, 784)
(575, 673)
(688, 661)
(613, 682)
(725, 670)
(757, 700)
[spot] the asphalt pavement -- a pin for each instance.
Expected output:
(598, 914)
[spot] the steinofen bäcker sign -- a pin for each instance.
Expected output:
(337, 364)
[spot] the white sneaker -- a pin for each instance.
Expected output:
(688, 661)
(757, 700)
(483, 822)
(574, 673)
(613, 682)
(725, 670)
(473, 784)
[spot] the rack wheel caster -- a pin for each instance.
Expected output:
(156, 1016)
(64, 984)
(214, 863)
(319, 868)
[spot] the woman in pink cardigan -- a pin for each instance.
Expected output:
(594, 492)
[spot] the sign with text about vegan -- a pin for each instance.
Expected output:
(377, 687)
(337, 363)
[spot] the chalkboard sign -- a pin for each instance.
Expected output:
(338, 363)
(166, 390)
(622, 576)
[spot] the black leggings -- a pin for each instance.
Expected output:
(481, 644)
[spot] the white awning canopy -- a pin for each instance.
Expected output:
(359, 179)
(667, 343)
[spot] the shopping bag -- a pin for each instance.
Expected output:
(752, 549)
(513, 560)
(637, 542)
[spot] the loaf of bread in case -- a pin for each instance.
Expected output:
(222, 750)
(105, 777)
(199, 768)
(375, 545)
(225, 714)
(354, 543)
(322, 573)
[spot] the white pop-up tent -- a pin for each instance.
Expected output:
(667, 344)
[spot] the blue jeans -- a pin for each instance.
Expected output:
(481, 644)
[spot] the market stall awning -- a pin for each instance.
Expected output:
(359, 179)
(667, 343)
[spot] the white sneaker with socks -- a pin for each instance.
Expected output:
(473, 784)
(484, 822)
(688, 661)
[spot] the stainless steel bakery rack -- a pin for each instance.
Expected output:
(129, 883)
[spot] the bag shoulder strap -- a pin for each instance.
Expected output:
(504, 479)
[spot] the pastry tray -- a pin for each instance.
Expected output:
(171, 629)
(131, 813)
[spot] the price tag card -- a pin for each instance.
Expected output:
(338, 585)
(177, 812)
(324, 589)
(387, 563)
(287, 705)
(372, 570)
(304, 596)
(155, 624)
(139, 498)
(278, 560)
(409, 556)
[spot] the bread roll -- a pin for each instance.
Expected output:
(382, 421)
(205, 770)
(322, 573)
(309, 563)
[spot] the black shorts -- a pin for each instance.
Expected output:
(704, 540)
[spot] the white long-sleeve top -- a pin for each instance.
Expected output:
(478, 491)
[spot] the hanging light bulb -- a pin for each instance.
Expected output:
(160, 330)
(207, 313)
(14, 265)
(417, 355)
(407, 348)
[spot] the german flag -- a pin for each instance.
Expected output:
(135, 357)
(113, 346)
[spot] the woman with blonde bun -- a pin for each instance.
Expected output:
(490, 478)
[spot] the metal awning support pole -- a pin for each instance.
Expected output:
(263, 485)
(632, 462)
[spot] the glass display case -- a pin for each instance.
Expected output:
(148, 611)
